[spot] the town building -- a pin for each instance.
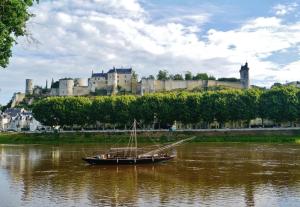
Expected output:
(18, 119)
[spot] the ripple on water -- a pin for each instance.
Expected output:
(202, 175)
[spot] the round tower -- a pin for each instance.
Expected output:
(66, 87)
(244, 76)
(80, 82)
(29, 87)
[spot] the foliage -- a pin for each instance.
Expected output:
(112, 138)
(201, 76)
(61, 111)
(162, 75)
(229, 79)
(13, 17)
(134, 75)
(55, 84)
(151, 77)
(178, 77)
(211, 77)
(280, 104)
(188, 76)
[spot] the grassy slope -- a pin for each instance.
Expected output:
(90, 138)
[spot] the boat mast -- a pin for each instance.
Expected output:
(135, 138)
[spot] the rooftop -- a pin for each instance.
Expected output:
(121, 70)
(104, 75)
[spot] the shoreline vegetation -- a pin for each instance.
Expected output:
(200, 110)
(158, 137)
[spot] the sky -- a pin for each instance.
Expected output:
(72, 38)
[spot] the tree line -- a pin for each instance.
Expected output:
(280, 104)
(165, 75)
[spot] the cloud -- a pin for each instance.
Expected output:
(284, 9)
(76, 37)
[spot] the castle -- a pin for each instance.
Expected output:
(124, 80)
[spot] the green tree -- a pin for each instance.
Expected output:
(76, 111)
(298, 105)
(279, 104)
(62, 111)
(211, 77)
(50, 111)
(121, 113)
(134, 75)
(13, 17)
(188, 76)
(101, 109)
(213, 107)
(190, 108)
(144, 108)
(151, 77)
(162, 75)
(229, 79)
(200, 76)
(178, 77)
(249, 107)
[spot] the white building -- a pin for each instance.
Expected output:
(16, 119)
(4, 121)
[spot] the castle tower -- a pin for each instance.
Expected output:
(244, 76)
(115, 81)
(29, 87)
(66, 87)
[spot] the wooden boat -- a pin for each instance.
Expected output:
(132, 155)
(126, 160)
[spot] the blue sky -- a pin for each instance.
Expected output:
(70, 38)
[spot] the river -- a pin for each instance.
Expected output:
(202, 174)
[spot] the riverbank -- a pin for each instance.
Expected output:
(268, 135)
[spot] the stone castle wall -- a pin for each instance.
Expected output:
(114, 81)
(81, 90)
(17, 98)
(151, 86)
(236, 85)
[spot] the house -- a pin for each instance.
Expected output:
(17, 119)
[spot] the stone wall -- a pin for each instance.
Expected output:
(17, 98)
(151, 86)
(81, 91)
(124, 81)
(213, 83)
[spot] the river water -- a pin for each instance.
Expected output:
(212, 174)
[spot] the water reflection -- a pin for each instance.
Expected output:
(202, 174)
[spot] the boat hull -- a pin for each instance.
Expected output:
(124, 161)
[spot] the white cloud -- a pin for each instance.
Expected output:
(284, 9)
(79, 36)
